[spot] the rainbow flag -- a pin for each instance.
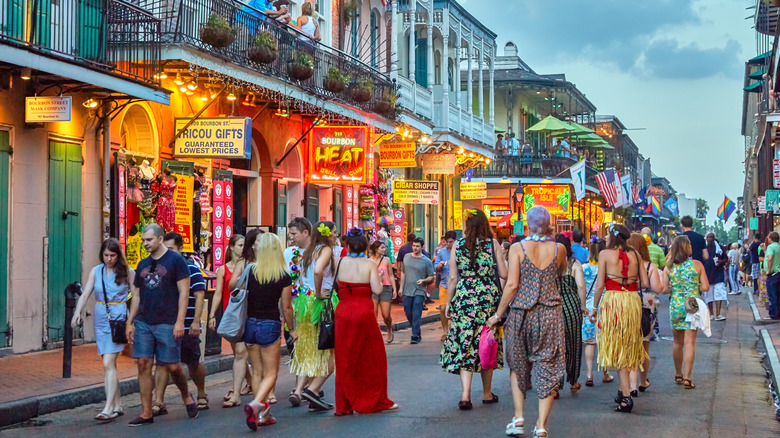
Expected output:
(656, 203)
(726, 209)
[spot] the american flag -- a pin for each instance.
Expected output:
(635, 194)
(606, 181)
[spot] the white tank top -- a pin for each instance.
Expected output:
(308, 28)
(308, 278)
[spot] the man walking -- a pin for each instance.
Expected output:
(657, 256)
(416, 274)
(698, 245)
(156, 320)
(580, 252)
(773, 275)
(443, 272)
(190, 342)
(755, 264)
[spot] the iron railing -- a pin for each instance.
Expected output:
(108, 35)
(539, 166)
(184, 19)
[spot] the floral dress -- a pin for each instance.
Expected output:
(476, 299)
(589, 328)
(685, 283)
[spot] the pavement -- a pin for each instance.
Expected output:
(730, 399)
(768, 345)
(31, 384)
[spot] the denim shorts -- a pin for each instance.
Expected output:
(156, 341)
(190, 349)
(262, 332)
(385, 296)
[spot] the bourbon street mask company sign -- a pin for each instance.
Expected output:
(47, 109)
(214, 137)
(416, 192)
(337, 154)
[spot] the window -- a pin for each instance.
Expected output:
(353, 33)
(374, 38)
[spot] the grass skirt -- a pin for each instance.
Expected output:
(620, 330)
(308, 360)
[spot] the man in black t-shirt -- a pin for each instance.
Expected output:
(156, 320)
(755, 261)
(698, 244)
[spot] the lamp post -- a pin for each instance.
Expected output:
(518, 198)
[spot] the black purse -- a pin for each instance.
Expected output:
(327, 334)
(118, 326)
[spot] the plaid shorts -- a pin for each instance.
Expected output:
(756, 271)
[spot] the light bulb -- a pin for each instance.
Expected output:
(192, 85)
(162, 75)
(178, 80)
(204, 97)
(183, 89)
(26, 73)
(231, 96)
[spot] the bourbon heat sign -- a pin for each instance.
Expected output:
(337, 154)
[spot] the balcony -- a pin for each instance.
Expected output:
(111, 36)
(415, 98)
(183, 20)
(539, 167)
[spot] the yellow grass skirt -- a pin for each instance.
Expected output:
(620, 330)
(308, 360)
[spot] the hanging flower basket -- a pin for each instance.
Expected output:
(217, 32)
(362, 91)
(300, 66)
(264, 50)
(336, 81)
(383, 106)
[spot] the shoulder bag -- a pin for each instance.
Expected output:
(118, 326)
(647, 313)
(231, 327)
(327, 335)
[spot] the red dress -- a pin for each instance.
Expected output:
(361, 361)
(225, 289)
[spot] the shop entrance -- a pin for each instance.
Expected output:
(5, 151)
(240, 204)
(312, 203)
(64, 229)
(338, 216)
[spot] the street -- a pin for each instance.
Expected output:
(731, 399)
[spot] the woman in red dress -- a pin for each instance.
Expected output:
(361, 362)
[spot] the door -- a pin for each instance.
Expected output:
(281, 204)
(421, 62)
(64, 228)
(338, 208)
(5, 152)
(312, 203)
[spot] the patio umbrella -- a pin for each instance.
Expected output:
(507, 221)
(550, 124)
(578, 130)
(594, 144)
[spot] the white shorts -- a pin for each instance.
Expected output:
(717, 292)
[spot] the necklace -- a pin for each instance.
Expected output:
(295, 271)
(356, 255)
(538, 238)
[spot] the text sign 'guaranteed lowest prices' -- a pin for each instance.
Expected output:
(214, 137)
(416, 192)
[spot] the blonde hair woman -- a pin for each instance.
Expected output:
(307, 24)
(268, 283)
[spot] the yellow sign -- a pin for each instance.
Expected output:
(438, 163)
(607, 217)
(182, 199)
(457, 212)
(416, 192)
(397, 155)
(214, 137)
(473, 190)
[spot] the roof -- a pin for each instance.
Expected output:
(460, 10)
(527, 77)
(606, 118)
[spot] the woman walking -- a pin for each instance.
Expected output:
(388, 293)
(619, 279)
(472, 297)
(534, 328)
(683, 278)
(359, 343)
(650, 307)
(590, 272)
(268, 284)
(110, 280)
(571, 286)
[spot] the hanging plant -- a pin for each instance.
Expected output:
(263, 50)
(387, 103)
(362, 90)
(217, 32)
(300, 66)
(336, 81)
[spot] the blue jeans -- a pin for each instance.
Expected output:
(413, 309)
(772, 284)
(733, 279)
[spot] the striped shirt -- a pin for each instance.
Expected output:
(657, 255)
(197, 284)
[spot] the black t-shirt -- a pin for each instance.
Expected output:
(157, 288)
(263, 299)
(754, 252)
(697, 245)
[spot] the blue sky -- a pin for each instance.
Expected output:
(673, 67)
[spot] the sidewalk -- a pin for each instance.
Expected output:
(31, 384)
(769, 340)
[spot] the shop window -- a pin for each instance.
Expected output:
(138, 133)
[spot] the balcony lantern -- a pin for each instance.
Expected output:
(178, 80)
(26, 73)
(519, 192)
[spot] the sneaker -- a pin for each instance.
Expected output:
(720, 318)
(314, 399)
(267, 420)
(140, 421)
(712, 317)
(251, 416)
(415, 341)
(313, 407)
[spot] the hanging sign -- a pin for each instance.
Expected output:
(473, 190)
(398, 230)
(397, 155)
(457, 213)
(416, 192)
(776, 173)
(494, 212)
(338, 154)
(554, 197)
(754, 223)
(762, 205)
(182, 199)
(214, 137)
(47, 109)
(772, 200)
(439, 163)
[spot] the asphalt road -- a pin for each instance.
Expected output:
(731, 400)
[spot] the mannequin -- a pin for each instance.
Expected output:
(147, 171)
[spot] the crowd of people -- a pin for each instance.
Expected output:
(542, 302)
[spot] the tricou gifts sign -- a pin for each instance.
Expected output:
(337, 154)
(214, 137)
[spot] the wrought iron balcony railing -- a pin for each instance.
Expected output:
(538, 166)
(184, 20)
(108, 35)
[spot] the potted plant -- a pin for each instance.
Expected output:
(300, 66)
(263, 50)
(362, 90)
(387, 103)
(336, 81)
(217, 32)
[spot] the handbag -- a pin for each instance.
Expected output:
(231, 327)
(327, 335)
(488, 349)
(118, 326)
(691, 305)
(647, 321)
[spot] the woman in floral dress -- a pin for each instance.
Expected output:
(683, 278)
(472, 297)
(590, 270)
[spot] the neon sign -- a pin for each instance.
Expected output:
(337, 154)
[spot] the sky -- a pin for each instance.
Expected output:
(673, 67)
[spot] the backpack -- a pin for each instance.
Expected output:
(746, 257)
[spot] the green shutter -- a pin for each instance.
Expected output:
(421, 62)
(41, 30)
(91, 30)
(312, 204)
(4, 200)
(15, 15)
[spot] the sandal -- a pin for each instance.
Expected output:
(607, 379)
(644, 388)
(295, 399)
(493, 399)
(443, 337)
(539, 432)
(246, 390)
(626, 405)
(589, 382)
(228, 396)
(513, 428)
(203, 402)
(159, 409)
(465, 405)
(231, 404)
(271, 399)
(689, 384)
(392, 338)
(576, 387)
(678, 379)
(106, 418)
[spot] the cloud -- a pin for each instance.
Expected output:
(668, 59)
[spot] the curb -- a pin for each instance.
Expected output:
(771, 357)
(428, 319)
(756, 315)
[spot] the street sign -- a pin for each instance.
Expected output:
(473, 190)
(776, 173)
(753, 223)
(772, 200)
(762, 205)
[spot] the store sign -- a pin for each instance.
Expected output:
(416, 192)
(473, 190)
(182, 199)
(398, 230)
(457, 213)
(214, 137)
(554, 197)
(776, 173)
(439, 164)
(494, 212)
(397, 155)
(762, 205)
(338, 154)
(754, 223)
(607, 217)
(48, 109)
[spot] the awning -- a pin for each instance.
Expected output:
(760, 58)
(755, 87)
(757, 74)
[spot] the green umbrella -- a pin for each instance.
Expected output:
(596, 145)
(578, 130)
(550, 124)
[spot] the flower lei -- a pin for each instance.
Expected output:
(538, 238)
(470, 212)
(295, 271)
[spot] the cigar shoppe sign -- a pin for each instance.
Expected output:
(338, 154)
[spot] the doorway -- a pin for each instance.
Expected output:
(64, 229)
(5, 166)
(338, 216)
(312, 203)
